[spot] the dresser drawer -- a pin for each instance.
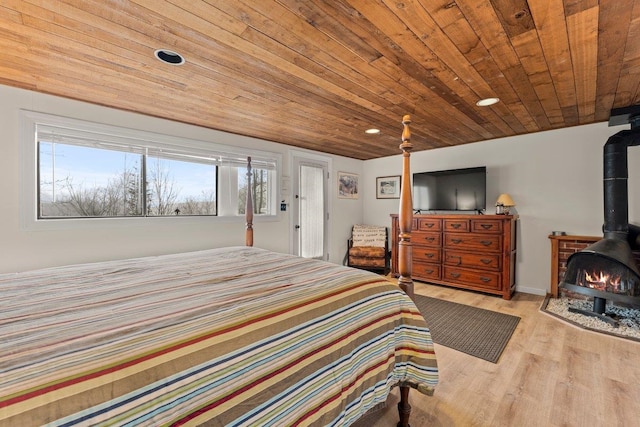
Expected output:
(486, 226)
(456, 225)
(482, 261)
(425, 271)
(484, 279)
(485, 242)
(429, 224)
(426, 238)
(426, 254)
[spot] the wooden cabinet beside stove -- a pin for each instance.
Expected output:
(475, 252)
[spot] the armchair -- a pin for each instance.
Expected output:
(368, 248)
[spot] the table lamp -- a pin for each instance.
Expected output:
(503, 204)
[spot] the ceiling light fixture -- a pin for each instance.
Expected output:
(372, 131)
(487, 101)
(169, 57)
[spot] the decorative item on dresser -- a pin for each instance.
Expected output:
(465, 251)
(504, 204)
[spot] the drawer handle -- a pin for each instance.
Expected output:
(430, 225)
(485, 261)
(429, 239)
(486, 242)
(455, 225)
(429, 271)
(453, 257)
(429, 255)
(485, 279)
(456, 241)
(455, 275)
(486, 226)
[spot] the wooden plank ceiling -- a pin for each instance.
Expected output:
(316, 74)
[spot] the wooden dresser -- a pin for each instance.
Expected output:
(475, 252)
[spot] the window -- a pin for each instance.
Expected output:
(86, 170)
(82, 181)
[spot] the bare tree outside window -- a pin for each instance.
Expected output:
(177, 187)
(259, 190)
(108, 183)
(204, 205)
(161, 189)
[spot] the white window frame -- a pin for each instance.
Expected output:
(29, 120)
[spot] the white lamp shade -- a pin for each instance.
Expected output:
(505, 200)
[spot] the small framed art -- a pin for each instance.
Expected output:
(347, 185)
(388, 187)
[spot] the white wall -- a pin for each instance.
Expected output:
(22, 249)
(554, 177)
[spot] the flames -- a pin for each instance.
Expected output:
(601, 281)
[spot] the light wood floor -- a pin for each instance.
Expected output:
(550, 374)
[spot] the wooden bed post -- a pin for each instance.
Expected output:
(405, 216)
(405, 222)
(248, 209)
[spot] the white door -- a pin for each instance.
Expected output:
(309, 208)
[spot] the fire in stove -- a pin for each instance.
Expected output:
(604, 282)
(592, 273)
(603, 279)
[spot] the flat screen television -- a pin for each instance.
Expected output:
(450, 190)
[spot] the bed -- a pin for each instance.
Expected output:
(236, 336)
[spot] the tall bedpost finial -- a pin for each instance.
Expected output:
(405, 216)
(248, 210)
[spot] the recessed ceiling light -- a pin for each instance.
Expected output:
(169, 57)
(487, 101)
(372, 131)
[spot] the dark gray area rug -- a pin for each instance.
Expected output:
(475, 331)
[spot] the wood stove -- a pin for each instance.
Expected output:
(606, 270)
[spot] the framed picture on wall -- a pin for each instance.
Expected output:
(388, 187)
(347, 185)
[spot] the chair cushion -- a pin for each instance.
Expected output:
(368, 256)
(369, 235)
(367, 262)
(366, 252)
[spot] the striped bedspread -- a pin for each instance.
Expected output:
(235, 336)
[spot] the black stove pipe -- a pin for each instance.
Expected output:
(634, 230)
(616, 205)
